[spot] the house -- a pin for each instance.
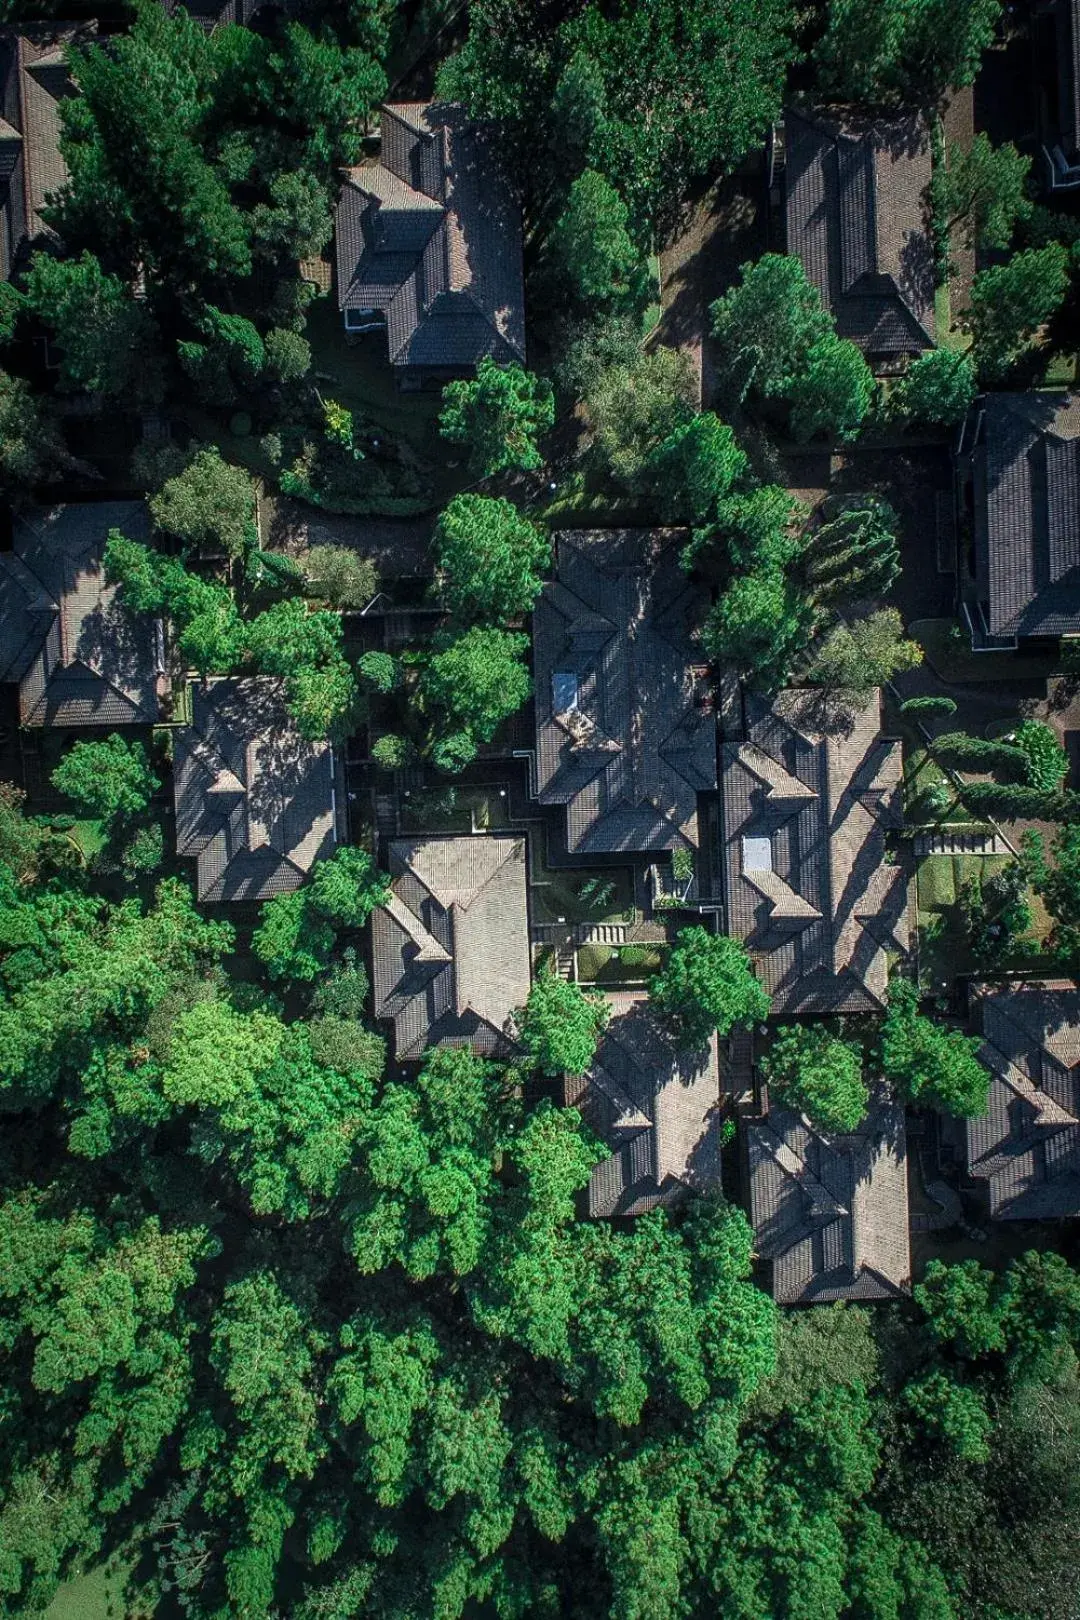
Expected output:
(35, 80)
(657, 1109)
(255, 803)
(1018, 467)
(78, 656)
(428, 246)
(808, 800)
(1056, 63)
(1026, 1147)
(451, 946)
(856, 216)
(830, 1213)
(625, 728)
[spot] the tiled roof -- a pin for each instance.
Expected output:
(432, 236)
(35, 81)
(451, 949)
(657, 1109)
(856, 217)
(625, 732)
(79, 657)
(807, 885)
(254, 800)
(1027, 1144)
(831, 1212)
(1026, 471)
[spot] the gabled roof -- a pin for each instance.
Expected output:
(808, 888)
(625, 731)
(656, 1108)
(1026, 469)
(79, 657)
(431, 235)
(857, 218)
(831, 1212)
(35, 81)
(1027, 1144)
(254, 800)
(451, 948)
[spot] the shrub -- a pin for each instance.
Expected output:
(978, 751)
(928, 708)
(1047, 761)
(379, 670)
(340, 576)
(392, 752)
(144, 851)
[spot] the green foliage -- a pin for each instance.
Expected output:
(903, 52)
(592, 252)
(833, 391)
(819, 1075)
(985, 190)
(32, 449)
(346, 888)
(983, 754)
(961, 1307)
(110, 779)
(758, 531)
(854, 553)
(297, 222)
(1058, 884)
(928, 708)
(379, 670)
(761, 624)
(288, 355)
(473, 682)
(499, 414)
(938, 388)
(235, 344)
(561, 1024)
(1010, 303)
(292, 940)
(953, 1413)
(393, 753)
(108, 339)
(694, 468)
(491, 560)
(635, 406)
(305, 648)
(339, 576)
(767, 324)
(209, 504)
(706, 985)
(930, 1065)
(997, 915)
(1047, 761)
(857, 657)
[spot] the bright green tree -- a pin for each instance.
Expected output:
(292, 940)
(592, 252)
(766, 325)
(857, 657)
(209, 503)
(938, 388)
(561, 1024)
(111, 779)
(109, 341)
(476, 680)
(347, 888)
(819, 1075)
(832, 392)
(761, 625)
(635, 406)
(1009, 304)
(491, 560)
(931, 1066)
(953, 1413)
(705, 986)
(499, 414)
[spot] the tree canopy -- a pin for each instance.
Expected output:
(706, 986)
(491, 560)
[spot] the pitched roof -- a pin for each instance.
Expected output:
(625, 733)
(831, 1212)
(254, 800)
(431, 235)
(856, 217)
(79, 657)
(657, 1109)
(1026, 469)
(451, 949)
(807, 886)
(35, 81)
(1027, 1144)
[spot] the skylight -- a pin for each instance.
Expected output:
(757, 855)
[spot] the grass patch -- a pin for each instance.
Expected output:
(100, 1594)
(592, 960)
(567, 895)
(944, 951)
(951, 658)
(454, 810)
(91, 836)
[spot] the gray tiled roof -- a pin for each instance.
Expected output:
(630, 759)
(807, 886)
(831, 1212)
(1027, 1144)
(431, 235)
(35, 81)
(451, 948)
(254, 800)
(79, 657)
(657, 1109)
(856, 216)
(1026, 472)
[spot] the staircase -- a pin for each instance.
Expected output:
(601, 934)
(386, 815)
(563, 962)
(961, 844)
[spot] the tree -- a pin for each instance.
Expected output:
(288, 355)
(761, 624)
(985, 190)
(854, 553)
(767, 325)
(938, 388)
(297, 222)
(109, 340)
(210, 503)
(1009, 304)
(380, 670)
(903, 52)
(347, 888)
(832, 392)
(705, 986)
(592, 252)
(819, 1075)
(32, 448)
(292, 941)
(491, 560)
(931, 1066)
(1047, 761)
(499, 414)
(339, 576)
(953, 1413)
(561, 1024)
(1058, 884)
(110, 779)
(864, 654)
(962, 1306)
(695, 467)
(476, 680)
(633, 407)
(759, 531)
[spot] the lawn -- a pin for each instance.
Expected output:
(943, 946)
(603, 964)
(100, 1594)
(582, 896)
(454, 810)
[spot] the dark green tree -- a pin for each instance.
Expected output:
(1009, 304)
(938, 388)
(210, 503)
(906, 52)
(499, 414)
(109, 341)
(819, 1075)
(491, 560)
(111, 779)
(706, 986)
(593, 255)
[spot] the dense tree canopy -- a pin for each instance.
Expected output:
(928, 1063)
(491, 559)
(818, 1074)
(498, 415)
(705, 986)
